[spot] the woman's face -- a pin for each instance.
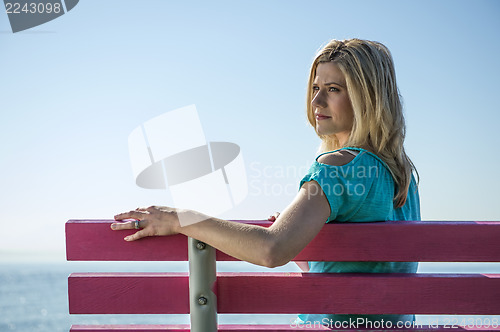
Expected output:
(330, 102)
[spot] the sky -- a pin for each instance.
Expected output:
(73, 89)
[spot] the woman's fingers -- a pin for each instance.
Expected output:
(137, 235)
(274, 217)
(131, 225)
(116, 226)
(136, 214)
(153, 221)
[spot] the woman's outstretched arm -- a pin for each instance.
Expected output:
(295, 227)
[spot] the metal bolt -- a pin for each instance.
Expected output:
(202, 300)
(200, 245)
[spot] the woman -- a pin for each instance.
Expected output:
(363, 173)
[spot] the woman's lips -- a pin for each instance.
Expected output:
(322, 117)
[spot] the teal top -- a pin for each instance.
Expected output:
(361, 191)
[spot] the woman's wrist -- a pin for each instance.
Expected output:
(187, 218)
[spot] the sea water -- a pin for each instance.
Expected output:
(34, 296)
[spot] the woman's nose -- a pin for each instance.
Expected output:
(318, 100)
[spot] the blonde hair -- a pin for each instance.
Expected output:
(379, 123)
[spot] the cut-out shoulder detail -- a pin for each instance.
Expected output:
(353, 152)
(337, 158)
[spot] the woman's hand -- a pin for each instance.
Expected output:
(154, 221)
(273, 217)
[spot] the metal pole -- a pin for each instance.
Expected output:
(202, 278)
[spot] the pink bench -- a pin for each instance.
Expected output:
(288, 293)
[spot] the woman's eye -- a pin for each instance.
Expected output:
(332, 89)
(315, 88)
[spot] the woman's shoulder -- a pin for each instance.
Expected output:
(348, 156)
(351, 163)
(336, 158)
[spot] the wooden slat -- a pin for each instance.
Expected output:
(407, 241)
(290, 293)
(463, 241)
(93, 240)
(359, 293)
(128, 293)
(250, 328)
(126, 328)
(184, 328)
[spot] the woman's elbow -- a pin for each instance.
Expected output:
(274, 256)
(272, 262)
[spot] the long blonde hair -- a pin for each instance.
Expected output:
(379, 123)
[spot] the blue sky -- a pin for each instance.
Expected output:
(73, 89)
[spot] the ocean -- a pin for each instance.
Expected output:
(33, 296)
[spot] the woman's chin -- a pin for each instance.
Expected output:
(323, 131)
